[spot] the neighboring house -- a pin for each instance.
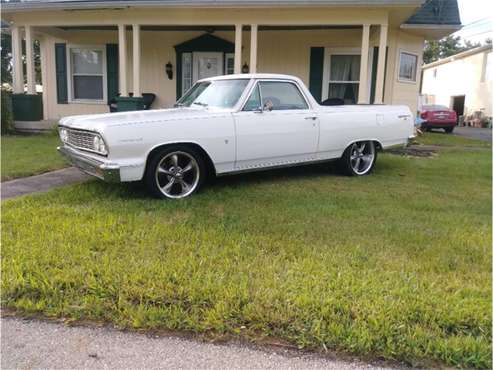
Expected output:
(463, 82)
(359, 51)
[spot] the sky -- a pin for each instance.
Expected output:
(477, 19)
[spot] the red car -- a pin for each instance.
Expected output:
(438, 116)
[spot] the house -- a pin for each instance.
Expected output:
(93, 51)
(463, 82)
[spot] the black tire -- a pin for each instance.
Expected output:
(449, 130)
(152, 179)
(345, 162)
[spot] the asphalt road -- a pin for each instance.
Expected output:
(474, 133)
(33, 344)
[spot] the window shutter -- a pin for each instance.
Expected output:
(61, 73)
(316, 72)
(374, 73)
(112, 70)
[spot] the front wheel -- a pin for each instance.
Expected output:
(175, 172)
(359, 158)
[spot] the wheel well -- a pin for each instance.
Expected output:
(211, 169)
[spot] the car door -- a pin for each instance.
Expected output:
(276, 126)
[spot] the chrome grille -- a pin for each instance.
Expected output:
(81, 139)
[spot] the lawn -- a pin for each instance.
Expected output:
(396, 265)
(26, 155)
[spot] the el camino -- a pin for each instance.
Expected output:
(231, 124)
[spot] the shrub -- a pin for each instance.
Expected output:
(7, 123)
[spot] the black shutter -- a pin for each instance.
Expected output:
(374, 73)
(112, 70)
(316, 72)
(61, 73)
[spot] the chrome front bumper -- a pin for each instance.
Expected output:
(91, 166)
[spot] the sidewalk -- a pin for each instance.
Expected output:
(41, 183)
(32, 344)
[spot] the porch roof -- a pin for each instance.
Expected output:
(26, 5)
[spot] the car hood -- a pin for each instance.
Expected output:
(97, 122)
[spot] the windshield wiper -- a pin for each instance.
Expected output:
(176, 105)
(200, 103)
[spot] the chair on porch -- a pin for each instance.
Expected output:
(147, 97)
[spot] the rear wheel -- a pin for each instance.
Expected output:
(359, 158)
(175, 172)
(449, 130)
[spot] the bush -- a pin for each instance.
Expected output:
(7, 123)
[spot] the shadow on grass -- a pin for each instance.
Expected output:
(138, 191)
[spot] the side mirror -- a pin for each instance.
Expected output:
(268, 106)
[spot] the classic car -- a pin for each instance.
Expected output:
(230, 124)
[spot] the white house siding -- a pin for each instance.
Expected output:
(463, 76)
(278, 52)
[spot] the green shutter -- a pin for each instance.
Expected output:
(316, 72)
(61, 73)
(112, 70)
(374, 73)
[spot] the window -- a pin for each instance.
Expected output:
(253, 102)
(186, 72)
(344, 77)
(407, 67)
(282, 95)
(221, 94)
(87, 74)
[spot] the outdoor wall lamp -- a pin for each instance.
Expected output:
(245, 68)
(169, 70)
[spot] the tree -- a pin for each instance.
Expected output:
(6, 59)
(446, 47)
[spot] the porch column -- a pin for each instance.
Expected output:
(253, 48)
(31, 80)
(122, 58)
(17, 71)
(363, 73)
(238, 38)
(136, 60)
(382, 52)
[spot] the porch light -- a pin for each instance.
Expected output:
(169, 70)
(245, 68)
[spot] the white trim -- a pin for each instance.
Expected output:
(70, 91)
(328, 52)
(399, 79)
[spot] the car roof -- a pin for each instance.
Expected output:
(249, 76)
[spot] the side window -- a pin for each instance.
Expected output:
(282, 95)
(253, 102)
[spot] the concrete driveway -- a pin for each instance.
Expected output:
(483, 134)
(33, 344)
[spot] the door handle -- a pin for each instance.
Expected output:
(313, 118)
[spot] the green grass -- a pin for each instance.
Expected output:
(30, 155)
(442, 139)
(395, 265)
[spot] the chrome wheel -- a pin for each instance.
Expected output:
(362, 155)
(177, 174)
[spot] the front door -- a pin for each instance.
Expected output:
(286, 134)
(207, 65)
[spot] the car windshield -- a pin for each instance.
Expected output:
(219, 94)
(434, 107)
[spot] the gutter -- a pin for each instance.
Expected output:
(80, 5)
(462, 55)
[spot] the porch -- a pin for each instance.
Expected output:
(87, 63)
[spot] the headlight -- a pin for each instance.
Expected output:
(99, 145)
(63, 135)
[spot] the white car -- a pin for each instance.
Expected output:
(231, 124)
